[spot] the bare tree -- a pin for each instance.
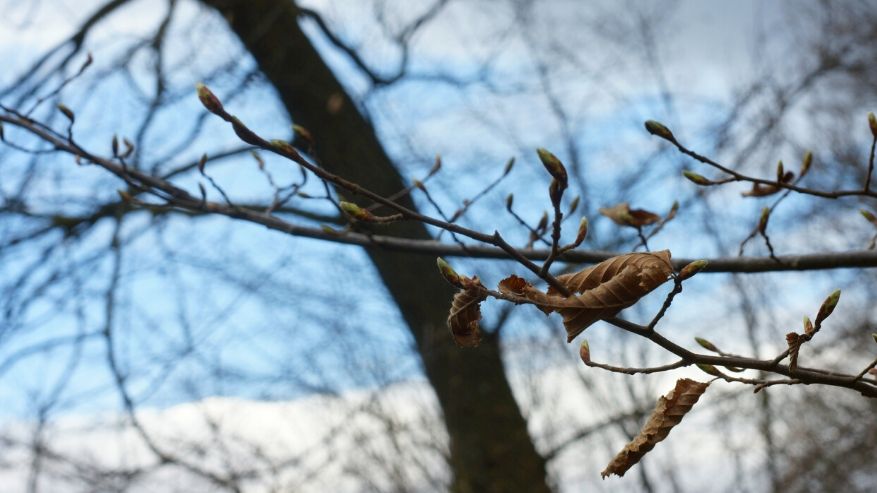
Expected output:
(339, 162)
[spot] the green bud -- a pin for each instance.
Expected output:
(706, 344)
(869, 216)
(808, 325)
(697, 179)
(828, 306)
(709, 370)
(805, 164)
(658, 129)
(691, 269)
(355, 211)
(304, 134)
(447, 272)
(554, 167)
(762, 221)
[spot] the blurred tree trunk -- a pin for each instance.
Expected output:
(490, 447)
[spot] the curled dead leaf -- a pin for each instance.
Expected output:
(466, 312)
(668, 413)
(622, 215)
(601, 291)
(759, 190)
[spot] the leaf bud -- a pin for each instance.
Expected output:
(554, 167)
(691, 269)
(209, 100)
(805, 164)
(697, 179)
(67, 112)
(762, 221)
(447, 272)
(706, 344)
(585, 351)
(508, 166)
(658, 129)
(808, 326)
(828, 306)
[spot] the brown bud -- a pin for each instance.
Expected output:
(805, 164)
(508, 166)
(115, 146)
(129, 147)
(697, 179)
(88, 61)
(781, 172)
(436, 165)
(304, 134)
(2, 136)
(125, 196)
(874, 336)
(762, 221)
(67, 112)
(555, 191)
(691, 269)
(245, 134)
(574, 204)
(201, 163)
(673, 210)
(284, 148)
(872, 122)
(203, 192)
(554, 167)
(509, 201)
(543, 222)
(582, 233)
(658, 129)
(828, 306)
(585, 351)
(209, 100)
(707, 344)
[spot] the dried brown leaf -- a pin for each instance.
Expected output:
(622, 215)
(759, 190)
(667, 414)
(601, 291)
(466, 312)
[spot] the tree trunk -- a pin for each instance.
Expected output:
(490, 447)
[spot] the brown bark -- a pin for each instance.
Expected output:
(490, 447)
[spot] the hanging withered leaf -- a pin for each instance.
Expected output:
(667, 414)
(600, 291)
(622, 215)
(466, 312)
(760, 190)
